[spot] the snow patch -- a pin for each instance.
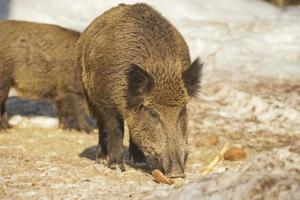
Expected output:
(37, 121)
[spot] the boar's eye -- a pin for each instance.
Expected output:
(153, 114)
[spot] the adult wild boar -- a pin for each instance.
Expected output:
(136, 67)
(38, 61)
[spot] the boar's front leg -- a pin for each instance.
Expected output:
(3, 119)
(111, 133)
(4, 89)
(81, 116)
(70, 113)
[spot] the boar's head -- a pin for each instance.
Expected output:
(157, 117)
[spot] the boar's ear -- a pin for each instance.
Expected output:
(192, 77)
(139, 84)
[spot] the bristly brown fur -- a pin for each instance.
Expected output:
(149, 96)
(38, 61)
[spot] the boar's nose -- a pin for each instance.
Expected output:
(176, 173)
(174, 170)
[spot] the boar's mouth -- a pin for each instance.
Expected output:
(175, 170)
(171, 168)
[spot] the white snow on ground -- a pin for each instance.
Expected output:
(268, 175)
(245, 38)
(40, 121)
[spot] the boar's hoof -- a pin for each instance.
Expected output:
(65, 123)
(110, 161)
(69, 125)
(100, 157)
(64, 127)
(115, 165)
(84, 128)
(115, 159)
(4, 124)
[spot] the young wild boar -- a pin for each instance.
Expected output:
(136, 67)
(38, 61)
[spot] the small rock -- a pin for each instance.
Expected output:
(213, 140)
(234, 154)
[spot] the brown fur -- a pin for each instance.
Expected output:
(136, 67)
(38, 61)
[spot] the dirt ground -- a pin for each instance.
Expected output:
(49, 163)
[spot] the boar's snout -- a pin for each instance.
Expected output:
(176, 173)
(172, 167)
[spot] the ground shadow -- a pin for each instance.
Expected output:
(32, 108)
(90, 153)
(24, 107)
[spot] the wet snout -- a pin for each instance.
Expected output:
(175, 170)
(173, 167)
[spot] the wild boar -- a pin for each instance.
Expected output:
(136, 67)
(38, 60)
